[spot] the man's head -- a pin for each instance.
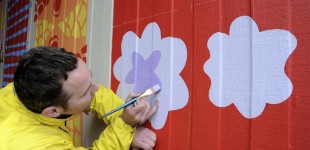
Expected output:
(48, 81)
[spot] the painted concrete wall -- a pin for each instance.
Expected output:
(233, 73)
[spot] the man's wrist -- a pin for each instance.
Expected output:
(123, 125)
(126, 121)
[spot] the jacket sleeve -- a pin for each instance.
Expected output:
(117, 134)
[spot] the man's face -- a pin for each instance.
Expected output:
(79, 84)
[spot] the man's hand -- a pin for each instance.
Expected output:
(144, 139)
(138, 114)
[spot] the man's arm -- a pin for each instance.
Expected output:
(106, 100)
(118, 134)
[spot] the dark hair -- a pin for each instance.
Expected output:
(39, 77)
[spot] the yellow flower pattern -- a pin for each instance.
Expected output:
(73, 25)
(43, 31)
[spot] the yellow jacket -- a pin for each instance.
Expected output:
(21, 129)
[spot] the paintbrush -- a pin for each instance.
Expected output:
(154, 89)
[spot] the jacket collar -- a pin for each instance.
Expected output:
(39, 117)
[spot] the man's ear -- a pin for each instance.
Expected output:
(52, 111)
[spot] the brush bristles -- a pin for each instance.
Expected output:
(155, 88)
(151, 91)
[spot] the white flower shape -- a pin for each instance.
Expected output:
(246, 67)
(152, 60)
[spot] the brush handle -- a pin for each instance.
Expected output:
(133, 100)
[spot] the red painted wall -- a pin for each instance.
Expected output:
(200, 124)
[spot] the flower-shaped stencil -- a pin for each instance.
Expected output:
(151, 60)
(246, 67)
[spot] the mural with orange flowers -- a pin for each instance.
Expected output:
(62, 23)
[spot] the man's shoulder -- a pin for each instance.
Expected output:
(30, 134)
(8, 89)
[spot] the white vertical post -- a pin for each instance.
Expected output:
(99, 46)
(31, 26)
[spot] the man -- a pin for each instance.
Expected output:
(51, 84)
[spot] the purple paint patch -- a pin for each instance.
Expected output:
(143, 72)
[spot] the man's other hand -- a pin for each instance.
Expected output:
(144, 139)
